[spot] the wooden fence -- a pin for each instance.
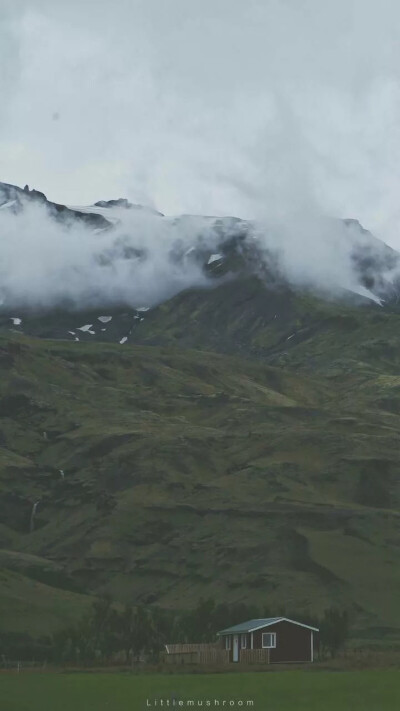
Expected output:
(207, 654)
(214, 656)
(21, 666)
(254, 656)
(211, 654)
(194, 647)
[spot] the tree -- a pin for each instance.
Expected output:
(126, 626)
(162, 629)
(334, 630)
(141, 631)
(197, 624)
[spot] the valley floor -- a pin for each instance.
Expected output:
(290, 691)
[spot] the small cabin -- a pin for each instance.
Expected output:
(263, 641)
(269, 640)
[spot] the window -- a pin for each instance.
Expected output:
(227, 642)
(243, 641)
(269, 640)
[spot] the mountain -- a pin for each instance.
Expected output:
(241, 443)
(15, 199)
(156, 257)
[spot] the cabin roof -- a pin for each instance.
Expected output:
(253, 625)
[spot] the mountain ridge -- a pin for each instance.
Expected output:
(240, 443)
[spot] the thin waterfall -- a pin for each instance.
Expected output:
(34, 507)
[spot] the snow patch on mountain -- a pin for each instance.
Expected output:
(8, 204)
(215, 258)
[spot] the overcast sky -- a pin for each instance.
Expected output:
(245, 107)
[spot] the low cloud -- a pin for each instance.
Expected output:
(145, 258)
(45, 263)
(219, 107)
(281, 111)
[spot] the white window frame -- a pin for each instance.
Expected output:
(243, 641)
(228, 642)
(272, 645)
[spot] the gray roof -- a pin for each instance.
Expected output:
(252, 625)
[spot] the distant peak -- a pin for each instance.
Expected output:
(121, 202)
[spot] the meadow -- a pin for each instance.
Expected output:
(285, 691)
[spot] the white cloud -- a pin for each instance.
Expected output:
(146, 258)
(263, 108)
(44, 263)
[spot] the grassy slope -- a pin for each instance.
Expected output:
(348, 691)
(271, 479)
(193, 473)
(31, 607)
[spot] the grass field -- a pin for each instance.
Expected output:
(286, 691)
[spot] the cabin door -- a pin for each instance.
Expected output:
(236, 648)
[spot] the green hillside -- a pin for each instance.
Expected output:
(230, 454)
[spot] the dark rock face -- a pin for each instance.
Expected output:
(121, 202)
(19, 198)
(37, 195)
(66, 214)
(373, 261)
